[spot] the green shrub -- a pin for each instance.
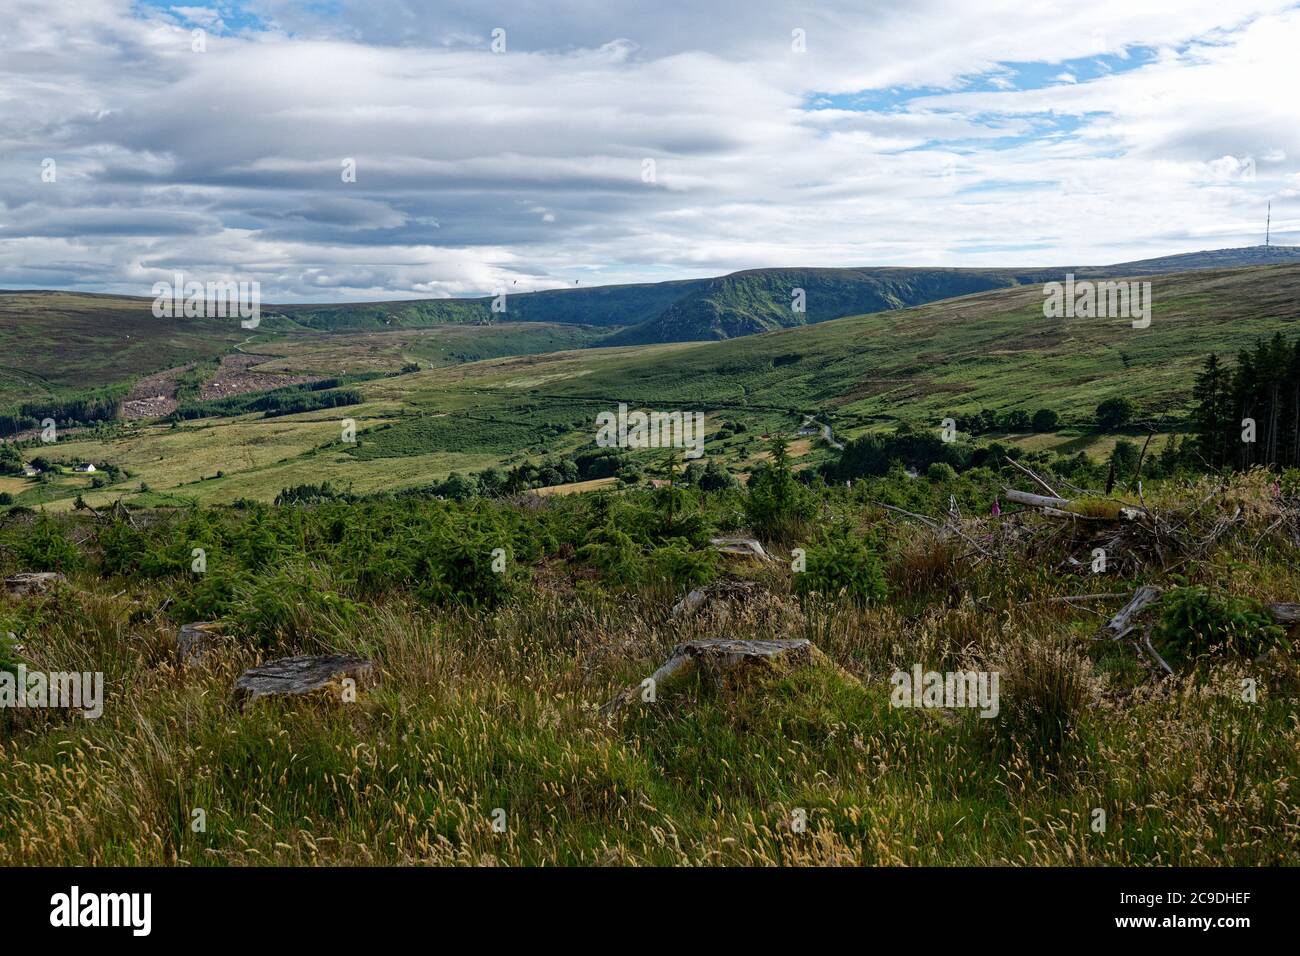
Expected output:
(122, 549)
(1114, 413)
(1017, 421)
(463, 573)
(614, 554)
(1195, 621)
(776, 505)
(45, 548)
(940, 471)
(294, 607)
(714, 477)
(841, 565)
(1045, 420)
(683, 566)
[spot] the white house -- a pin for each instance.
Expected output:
(86, 467)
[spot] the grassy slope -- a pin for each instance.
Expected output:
(56, 341)
(611, 305)
(751, 301)
(761, 300)
(482, 710)
(993, 349)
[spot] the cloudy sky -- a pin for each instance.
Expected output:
(538, 145)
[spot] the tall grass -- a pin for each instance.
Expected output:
(487, 713)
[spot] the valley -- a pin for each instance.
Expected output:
(451, 398)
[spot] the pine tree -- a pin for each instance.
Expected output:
(1211, 420)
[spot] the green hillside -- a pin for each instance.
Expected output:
(993, 350)
(763, 300)
(748, 302)
(610, 305)
(54, 342)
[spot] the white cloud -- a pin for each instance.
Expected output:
(474, 168)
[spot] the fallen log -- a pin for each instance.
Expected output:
(1036, 501)
(1065, 508)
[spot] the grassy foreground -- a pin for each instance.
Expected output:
(490, 687)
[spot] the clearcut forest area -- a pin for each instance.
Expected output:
(510, 619)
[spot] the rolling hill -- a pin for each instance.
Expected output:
(55, 342)
(989, 350)
(751, 301)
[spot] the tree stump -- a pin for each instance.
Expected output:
(742, 547)
(718, 655)
(718, 591)
(193, 641)
(32, 582)
(295, 676)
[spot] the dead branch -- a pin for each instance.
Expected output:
(1063, 507)
(1137, 475)
(939, 528)
(1120, 625)
(929, 522)
(1108, 596)
(1039, 481)
(1146, 645)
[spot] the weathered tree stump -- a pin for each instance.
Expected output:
(1284, 613)
(193, 641)
(716, 655)
(718, 591)
(295, 676)
(32, 582)
(743, 547)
